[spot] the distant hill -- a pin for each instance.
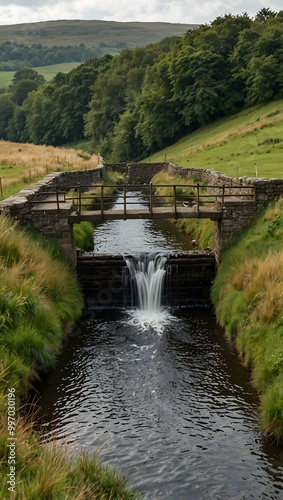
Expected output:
(91, 33)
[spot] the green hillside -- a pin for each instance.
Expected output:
(91, 33)
(240, 145)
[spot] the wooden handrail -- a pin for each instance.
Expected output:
(189, 195)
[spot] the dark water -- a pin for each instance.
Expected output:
(135, 236)
(165, 399)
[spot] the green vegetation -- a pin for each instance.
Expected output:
(39, 303)
(247, 295)
(83, 235)
(35, 296)
(201, 230)
(15, 56)
(48, 73)
(145, 99)
(245, 144)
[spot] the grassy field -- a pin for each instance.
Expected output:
(249, 143)
(47, 71)
(22, 164)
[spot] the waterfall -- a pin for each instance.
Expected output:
(147, 276)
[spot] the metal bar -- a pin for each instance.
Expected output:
(197, 200)
(175, 202)
(57, 199)
(79, 199)
(150, 199)
(102, 200)
(223, 195)
(125, 202)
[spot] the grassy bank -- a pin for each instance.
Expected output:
(247, 295)
(200, 230)
(39, 303)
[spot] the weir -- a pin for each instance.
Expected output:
(106, 280)
(145, 278)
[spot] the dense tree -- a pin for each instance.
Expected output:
(6, 114)
(158, 122)
(27, 74)
(21, 90)
(14, 56)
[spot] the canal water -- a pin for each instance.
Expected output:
(160, 394)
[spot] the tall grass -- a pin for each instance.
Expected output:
(49, 471)
(22, 164)
(39, 300)
(248, 299)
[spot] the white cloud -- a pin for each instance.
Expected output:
(176, 11)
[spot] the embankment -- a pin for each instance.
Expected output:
(247, 296)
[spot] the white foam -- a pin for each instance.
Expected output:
(145, 320)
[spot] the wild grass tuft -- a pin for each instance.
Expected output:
(83, 235)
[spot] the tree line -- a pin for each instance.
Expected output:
(145, 99)
(15, 56)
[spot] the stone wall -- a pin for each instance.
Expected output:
(238, 211)
(266, 189)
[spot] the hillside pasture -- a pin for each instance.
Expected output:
(249, 144)
(91, 33)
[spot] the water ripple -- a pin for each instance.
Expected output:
(168, 404)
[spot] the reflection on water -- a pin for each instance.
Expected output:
(134, 236)
(173, 410)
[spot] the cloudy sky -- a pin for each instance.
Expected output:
(174, 11)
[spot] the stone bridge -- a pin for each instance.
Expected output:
(237, 211)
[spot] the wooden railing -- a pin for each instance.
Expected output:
(181, 195)
(174, 197)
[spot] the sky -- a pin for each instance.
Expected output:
(171, 11)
